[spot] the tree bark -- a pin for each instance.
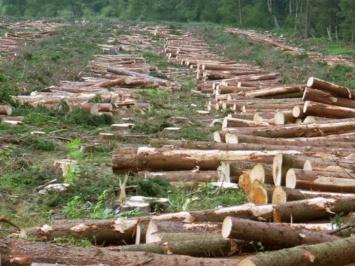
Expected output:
(334, 253)
(326, 98)
(310, 209)
(22, 252)
(332, 88)
(326, 110)
(199, 247)
(276, 234)
(184, 176)
(267, 92)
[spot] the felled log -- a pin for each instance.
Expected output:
(313, 95)
(169, 159)
(184, 176)
(166, 231)
(260, 194)
(117, 231)
(199, 247)
(326, 110)
(328, 253)
(269, 234)
(275, 91)
(320, 181)
(303, 130)
(5, 110)
(332, 88)
(22, 252)
(311, 209)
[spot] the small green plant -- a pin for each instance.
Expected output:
(73, 241)
(72, 174)
(338, 220)
(259, 246)
(73, 149)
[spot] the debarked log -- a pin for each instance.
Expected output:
(335, 253)
(22, 252)
(272, 234)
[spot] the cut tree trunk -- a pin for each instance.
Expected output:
(311, 209)
(283, 235)
(22, 252)
(326, 110)
(326, 98)
(168, 159)
(335, 253)
(199, 247)
(332, 88)
(275, 91)
(184, 176)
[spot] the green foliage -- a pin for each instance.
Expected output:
(72, 174)
(151, 187)
(82, 117)
(206, 196)
(39, 143)
(77, 208)
(73, 149)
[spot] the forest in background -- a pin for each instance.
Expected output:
(334, 19)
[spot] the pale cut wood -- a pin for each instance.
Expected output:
(275, 91)
(279, 195)
(329, 253)
(184, 176)
(5, 110)
(258, 194)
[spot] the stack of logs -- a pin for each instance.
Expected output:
(298, 176)
(288, 147)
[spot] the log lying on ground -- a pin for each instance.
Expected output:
(5, 110)
(316, 208)
(22, 252)
(272, 234)
(184, 176)
(326, 110)
(168, 159)
(201, 247)
(341, 182)
(313, 95)
(166, 231)
(332, 88)
(334, 253)
(275, 91)
(117, 231)
(303, 130)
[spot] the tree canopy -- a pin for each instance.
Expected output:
(310, 17)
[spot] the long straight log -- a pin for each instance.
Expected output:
(275, 91)
(283, 235)
(22, 252)
(334, 89)
(167, 159)
(184, 176)
(199, 247)
(334, 253)
(304, 130)
(313, 95)
(311, 209)
(326, 110)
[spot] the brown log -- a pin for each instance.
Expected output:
(259, 194)
(184, 176)
(236, 122)
(283, 235)
(167, 231)
(275, 91)
(114, 82)
(326, 110)
(332, 88)
(313, 95)
(318, 182)
(117, 231)
(333, 253)
(292, 194)
(168, 159)
(304, 130)
(199, 247)
(22, 252)
(310, 209)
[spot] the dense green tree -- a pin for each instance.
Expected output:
(347, 14)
